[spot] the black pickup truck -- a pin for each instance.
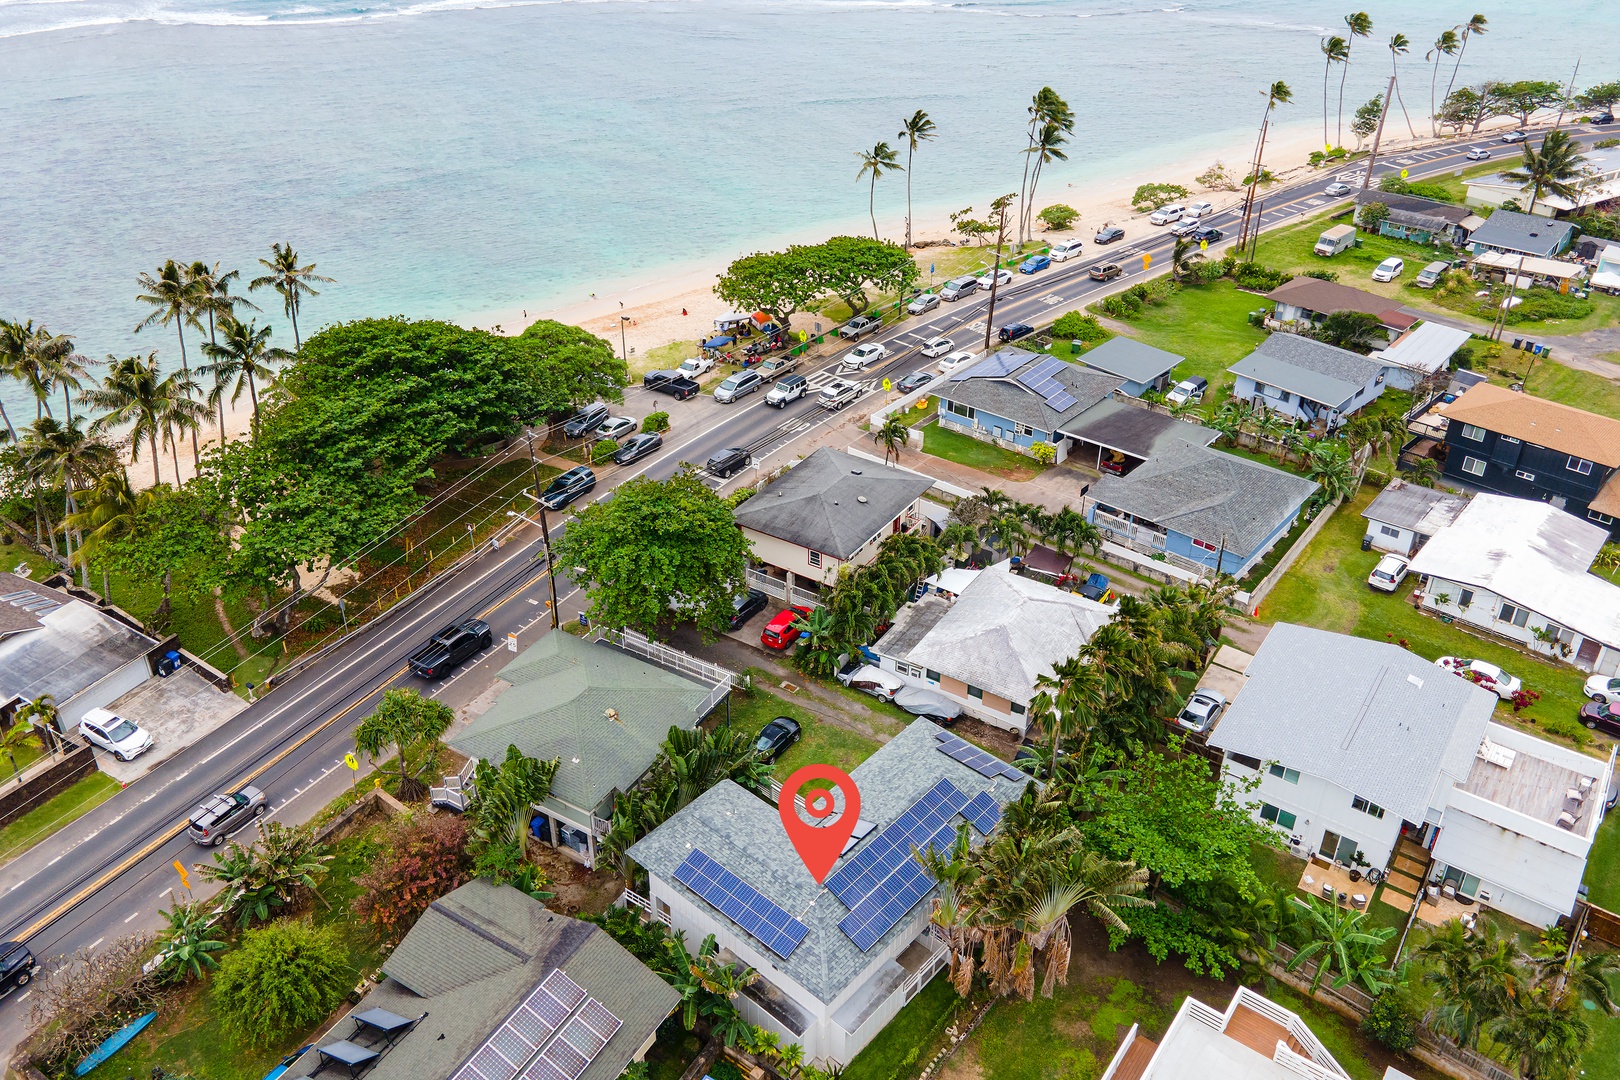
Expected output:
(673, 383)
(450, 647)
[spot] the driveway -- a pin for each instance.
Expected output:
(177, 711)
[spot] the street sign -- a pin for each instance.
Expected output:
(1147, 260)
(1203, 245)
(511, 643)
(886, 386)
(185, 878)
(1404, 174)
(352, 762)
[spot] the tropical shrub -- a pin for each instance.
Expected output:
(1218, 178)
(658, 421)
(1257, 278)
(1150, 197)
(603, 451)
(1077, 325)
(1043, 452)
(280, 868)
(1539, 305)
(1059, 216)
(424, 857)
(284, 979)
(1323, 275)
(1393, 1019)
(190, 941)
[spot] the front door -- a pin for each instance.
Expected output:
(1588, 653)
(1340, 849)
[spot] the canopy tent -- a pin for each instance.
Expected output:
(764, 322)
(719, 341)
(1547, 268)
(730, 319)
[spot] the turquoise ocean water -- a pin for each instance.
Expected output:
(446, 157)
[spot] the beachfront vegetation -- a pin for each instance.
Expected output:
(876, 162)
(1149, 197)
(916, 128)
(846, 268)
(1058, 217)
(1051, 121)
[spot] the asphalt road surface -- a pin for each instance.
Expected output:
(109, 872)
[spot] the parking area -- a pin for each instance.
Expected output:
(177, 711)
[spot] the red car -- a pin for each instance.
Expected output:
(779, 632)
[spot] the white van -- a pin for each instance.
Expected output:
(1429, 276)
(1334, 240)
(1064, 250)
(956, 288)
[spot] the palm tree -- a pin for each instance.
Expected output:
(1183, 257)
(877, 161)
(1337, 51)
(13, 350)
(1546, 1036)
(108, 513)
(64, 454)
(215, 300)
(895, 437)
(175, 298)
(1342, 943)
(245, 357)
(20, 734)
(918, 128)
(1475, 25)
(1360, 25)
(1046, 107)
(1444, 45)
(51, 362)
(133, 393)
(1399, 46)
(1044, 149)
(1555, 169)
(290, 280)
(21, 348)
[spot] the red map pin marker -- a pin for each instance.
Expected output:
(819, 845)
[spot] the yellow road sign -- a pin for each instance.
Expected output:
(1203, 245)
(886, 385)
(185, 878)
(352, 762)
(1147, 260)
(1404, 174)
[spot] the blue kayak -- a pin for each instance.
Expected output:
(116, 1042)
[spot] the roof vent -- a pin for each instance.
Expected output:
(860, 498)
(854, 472)
(1415, 681)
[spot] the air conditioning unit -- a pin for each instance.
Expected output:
(1483, 896)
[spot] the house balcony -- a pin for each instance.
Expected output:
(895, 983)
(1138, 536)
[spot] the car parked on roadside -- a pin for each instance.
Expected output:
(1035, 263)
(739, 385)
(567, 487)
(1188, 391)
(637, 447)
(956, 288)
(1003, 277)
(1478, 153)
(585, 421)
(744, 606)
(729, 462)
(776, 736)
(696, 365)
(1106, 271)
(915, 381)
(680, 387)
(1202, 710)
(861, 356)
(788, 388)
(123, 739)
(1014, 331)
(779, 633)
(933, 347)
(451, 646)
(214, 821)
(922, 305)
(1601, 716)
(837, 394)
(1108, 234)
(1337, 189)
(1389, 269)
(859, 326)
(1064, 250)
(1485, 674)
(1164, 215)
(17, 966)
(1388, 574)
(1603, 688)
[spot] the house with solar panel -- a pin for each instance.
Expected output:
(491, 985)
(837, 961)
(1014, 399)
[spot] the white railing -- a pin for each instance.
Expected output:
(457, 788)
(1205, 1015)
(1304, 1066)
(781, 590)
(938, 957)
(635, 899)
(1119, 1055)
(1296, 1027)
(664, 656)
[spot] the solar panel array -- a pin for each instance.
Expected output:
(576, 1045)
(993, 366)
(1042, 379)
(741, 903)
(546, 1010)
(870, 919)
(980, 761)
(982, 812)
(886, 852)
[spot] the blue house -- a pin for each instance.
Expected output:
(1202, 508)
(1142, 366)
(1014, 399)
(1307, 380)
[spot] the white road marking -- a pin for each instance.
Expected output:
(56, 860)
(532, 600)
(1050, 300)
(96, 942)
(24, 994)
(167, 892)
(132, 918)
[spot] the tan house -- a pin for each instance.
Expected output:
(828, 510)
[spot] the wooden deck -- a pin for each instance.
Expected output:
(1135, 1061)
(1259, 1033)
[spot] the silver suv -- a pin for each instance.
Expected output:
(738, 385)
(221, 816)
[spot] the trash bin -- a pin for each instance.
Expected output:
(1074, 346)
(168, 664)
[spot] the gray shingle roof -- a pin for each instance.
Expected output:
(561, 690)
(1310, 368)
(1409, 506)
(1131, 360)
(1371, 717)
(1527, 233)
(831, 502)
(1416, 207)
(1208, 495)
(744, 833)
(71, 646)
(473, 957)
(1009, 399)
(1133, 430)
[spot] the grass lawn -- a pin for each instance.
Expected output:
(910, 1039)
(78, 799)
(1603, 865)
(1581, 389)
(1327, 588)
(1209, 325)
(1457, 187)
(966, 450)
(821, 743)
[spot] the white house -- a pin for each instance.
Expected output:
(1358, 743)
(1254, 1039)
(1307, 380)
(1599, 183)
(988, 648)
(1405, 515)
(1520, 568)
(1424, 350)
(836, 961)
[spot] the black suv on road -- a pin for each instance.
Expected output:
(566, 488)
(17, 966)
(450, 647)
(728, 462)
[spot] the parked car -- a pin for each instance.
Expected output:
(1487, 675)
(585, 421)
(1601, 716)
(915, 381)
(777, 366)
(680, 388)
(1514, 137)
(744, 606)
(729, 462)
(1094, 587)
(1164, 215)
(1206, 235)
(1108, 234)
(1188, 390)
(1337, 189)
(739, 385)
(788, 388)
(956, 288)
(1603, 688)
(860, 325)
(1479, 153)
(932, 707)
(1388, 574)
(1186, 227)
(1430, 275)
(1603, 118)
(933, 347)
(835, 395)
(779, 632)
(1389, 269)
(654, 378)
(1202, 710)
(1034, 264)
(616, 428)
(451, 646)
(221, 816)
(1064, 250)
(17, 966)
(566, 488)
(956, 360)
(695, 366)
(123, 739)
(860, 356)
(923, 304)
(776, 736)
(1014, 331)
(875, 681)
(1106, 271)
(1198, 209)
(638, 447)
(1003, 277)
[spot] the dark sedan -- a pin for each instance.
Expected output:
(744, 606)
(638, 447)
(1206, 236)
(1108, 235)
(915, 381)
(1602, 716)
(1014, 331)
(776, 737)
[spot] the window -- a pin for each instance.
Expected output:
(1465, 598)
(1024, 429)
(1509, 439)
(1522, 475)
(1245, 760)
(1277, 816)
(1472, 433)
(975, 692)
(904, 668)
(1358, 803)
(815, 558)
(931, 675)
(1388, 530)
(1515, 615)
(958, 409)
(1578, 465)
(1205, 544)
(1601, 519)
(1018, 710)
(1559, 633)
(1473, 466)
(1290, 775)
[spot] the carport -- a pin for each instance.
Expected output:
(1126, 435)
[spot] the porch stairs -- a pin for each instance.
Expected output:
(1408, 870)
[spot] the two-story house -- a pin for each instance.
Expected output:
(1514, 444)
(1307, 380)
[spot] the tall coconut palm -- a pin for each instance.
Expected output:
(290, 280)
(244, 357)
(1336, 51)
(877, 161)
(215, 300)
(1547, 1036)
(1359, 24)
(1047, 147)
(918, 128)
(1045, 108)
(1446, 44)
(1555, 169)
(59, 366)
(13, 346)
(175, 298)
(1399, 46)
(64, 455)
(22, 345)
(134, 393)
(1471, 28)
(108, 512)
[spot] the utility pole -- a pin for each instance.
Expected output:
(1372, 158)
(1254, 180)
(1567, 95)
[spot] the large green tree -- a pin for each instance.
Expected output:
(656, 545)
(1600, 98)
(284, 978)
(848, 267)
(173, 537)
(402, 721)
(1525, 97)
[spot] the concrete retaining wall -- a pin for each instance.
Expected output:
(41, 786)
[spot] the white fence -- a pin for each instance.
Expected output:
(664, 656)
